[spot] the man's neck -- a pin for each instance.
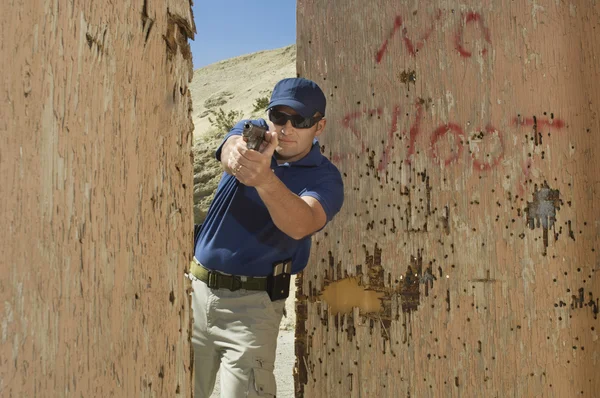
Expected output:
(295, 158)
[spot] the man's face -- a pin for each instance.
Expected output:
(295, 143)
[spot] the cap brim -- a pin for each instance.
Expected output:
(298, 106)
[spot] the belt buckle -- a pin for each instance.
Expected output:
(213, 280)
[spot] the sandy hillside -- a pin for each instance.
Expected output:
(235, 84)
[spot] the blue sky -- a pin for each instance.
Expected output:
(229, 28)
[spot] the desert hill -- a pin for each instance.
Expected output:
(236, 83)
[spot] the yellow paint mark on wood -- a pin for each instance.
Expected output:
(343, 295)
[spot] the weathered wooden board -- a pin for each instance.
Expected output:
(464, 262)
(96, 207)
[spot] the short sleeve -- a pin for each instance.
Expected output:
(237, 130)
(329, 191)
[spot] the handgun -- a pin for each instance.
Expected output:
(254, 135)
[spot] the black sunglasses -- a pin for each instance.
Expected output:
(297, 121)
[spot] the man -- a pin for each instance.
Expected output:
(257, 231)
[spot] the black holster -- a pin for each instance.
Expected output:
(278, 283)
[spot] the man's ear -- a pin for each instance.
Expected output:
(320, 127)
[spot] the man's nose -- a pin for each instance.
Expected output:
(286, 128)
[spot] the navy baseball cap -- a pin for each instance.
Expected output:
(302, 95)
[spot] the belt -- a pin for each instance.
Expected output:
(217, 280)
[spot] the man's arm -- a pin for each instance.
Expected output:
(296, 216)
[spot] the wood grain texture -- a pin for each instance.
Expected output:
(95, 162)
(466, 133)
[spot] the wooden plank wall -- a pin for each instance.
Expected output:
(96, 201)
(464, 262)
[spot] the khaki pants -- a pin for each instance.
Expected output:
(238, 332)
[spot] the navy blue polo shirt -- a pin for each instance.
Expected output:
(239, 237)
